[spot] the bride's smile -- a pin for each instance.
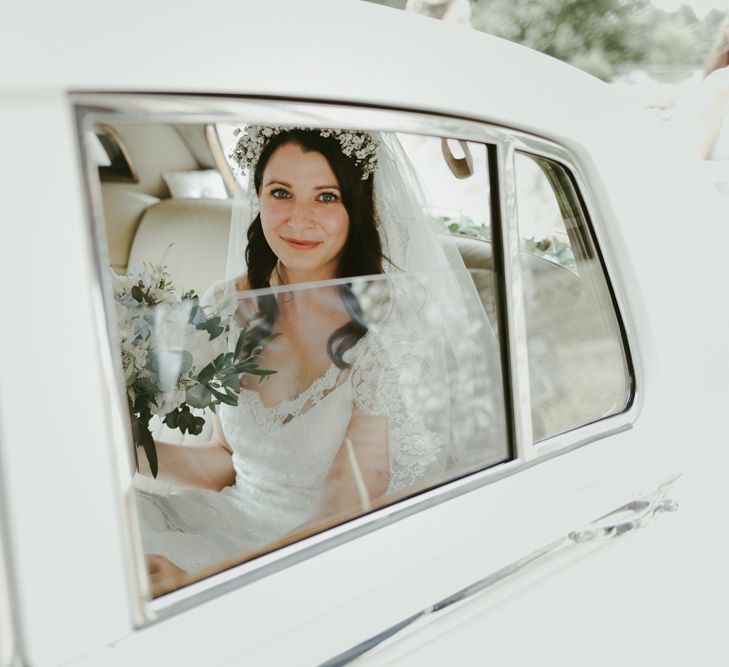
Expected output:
(303, 216)
(300, 244)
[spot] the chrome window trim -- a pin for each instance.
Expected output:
(513, 305)
(171, 108)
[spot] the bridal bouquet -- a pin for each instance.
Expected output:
(175, 355)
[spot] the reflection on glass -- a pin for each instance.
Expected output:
(346, 418)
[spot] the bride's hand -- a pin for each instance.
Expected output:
(208, 466)
(164, 574)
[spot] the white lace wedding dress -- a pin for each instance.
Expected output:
(282, 453)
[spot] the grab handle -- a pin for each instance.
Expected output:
(642, 510)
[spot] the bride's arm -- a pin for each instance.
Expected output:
(360, 473)
(208, 466)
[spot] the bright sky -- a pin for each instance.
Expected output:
(701, 7)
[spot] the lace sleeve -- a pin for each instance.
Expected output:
(397, 378)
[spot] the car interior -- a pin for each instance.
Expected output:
(167, 194)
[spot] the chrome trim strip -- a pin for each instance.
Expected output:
(459, 596)
(514, 305)
(644, 510)
(178, 109)
(135, 108)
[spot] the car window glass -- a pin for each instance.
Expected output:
(577, 363)
(269, 408)
(456, 179)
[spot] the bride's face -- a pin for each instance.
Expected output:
(303, 217)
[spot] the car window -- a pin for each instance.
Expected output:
(266, 409)
(578, 368)
(456, 178)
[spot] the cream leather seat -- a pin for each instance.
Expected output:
(189, 236)
(123, 209)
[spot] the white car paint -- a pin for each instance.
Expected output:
(653, 597)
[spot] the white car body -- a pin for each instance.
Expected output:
(75, 590)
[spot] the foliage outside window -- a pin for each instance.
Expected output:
(602, 37)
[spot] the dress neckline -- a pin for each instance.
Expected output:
(323, 382)
(289, 410)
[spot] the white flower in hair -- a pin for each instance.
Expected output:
(359, 146)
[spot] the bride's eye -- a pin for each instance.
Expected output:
(328, 197)
(280, 193)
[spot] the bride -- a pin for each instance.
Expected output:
(358, 410)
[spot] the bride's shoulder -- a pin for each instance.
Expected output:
(386, 343)
(241, 283)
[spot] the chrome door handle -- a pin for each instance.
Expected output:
(641, 512)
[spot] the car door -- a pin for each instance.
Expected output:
(79, 582)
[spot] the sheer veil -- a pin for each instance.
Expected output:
(460, 394)
(434, 368)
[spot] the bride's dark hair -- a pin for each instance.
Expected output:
(362, 252)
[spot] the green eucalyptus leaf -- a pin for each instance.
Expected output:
(232, 382)
(137, 293)
(224, 398)
(145, 388)
(197, 425)
(147, 442)
(194, 308)
(268, 339)
(240, 343)
(171, 418)
(186, 362)
(264, 372)
(185, 421)
(212, 326)
(206, 373)
(198, 396)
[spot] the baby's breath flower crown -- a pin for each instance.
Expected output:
(357, 145)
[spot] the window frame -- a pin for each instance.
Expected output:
(601, 428)
(501, 142)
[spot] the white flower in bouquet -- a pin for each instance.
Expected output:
(134, 360)
(167, 401)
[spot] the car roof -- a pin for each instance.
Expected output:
(344, 50)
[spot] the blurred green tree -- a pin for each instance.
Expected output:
(603, 37)
(675, 42)
(595, 35)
